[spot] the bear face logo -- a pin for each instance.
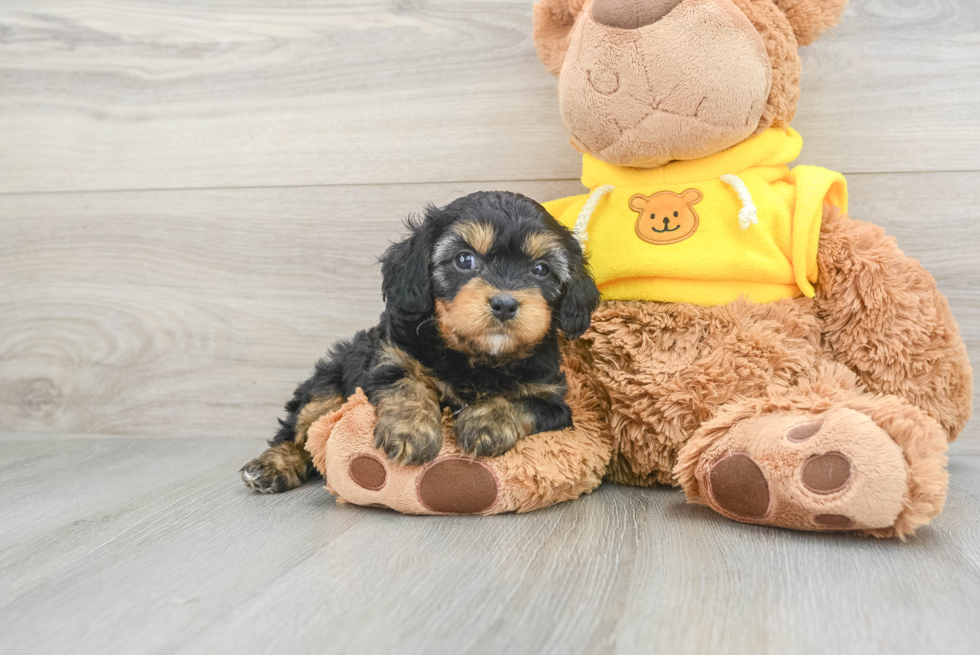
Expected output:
(666, 217)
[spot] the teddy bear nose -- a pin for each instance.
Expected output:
(631, 14)
(504, 306)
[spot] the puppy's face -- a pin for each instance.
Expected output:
(501, 273)
(496, 280)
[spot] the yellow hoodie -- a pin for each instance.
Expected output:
(706, 231)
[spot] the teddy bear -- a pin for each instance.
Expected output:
(779, 361)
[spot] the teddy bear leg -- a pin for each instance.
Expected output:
(825, 456)
(541, 470)
(886, 320)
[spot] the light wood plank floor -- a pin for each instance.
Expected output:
(192, 197)
(151, 545)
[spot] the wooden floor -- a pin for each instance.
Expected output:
(152, 545)
(192, 197)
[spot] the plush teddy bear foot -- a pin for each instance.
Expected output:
(361, 474)
(837, 470)
(448, 485)
(540, 470)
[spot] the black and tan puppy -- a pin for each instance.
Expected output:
(475, 298)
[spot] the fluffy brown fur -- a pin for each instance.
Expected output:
(740, 404)
(660, 391)
(830, 387)
(477, 422)
(540, 470)
(476, 297)
(687, 366)
(411, 407)
(668, 368)
(613, 113)
(280, 468)
(477, 234)
(311, 412)
(811, 17)
(553, 22)
(883, 315)
(777, 34)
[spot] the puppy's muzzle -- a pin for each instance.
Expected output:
(504, 307)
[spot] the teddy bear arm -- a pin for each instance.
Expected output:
(541, 469)
(885, 318)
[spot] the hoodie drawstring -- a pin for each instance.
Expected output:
(582, 222)
(748, 215)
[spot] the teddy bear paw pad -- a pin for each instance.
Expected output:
(835, 471)
(801, 433)
(826, 474)
(738, 485)
(456, 485)
(834, 521)
(368, 472)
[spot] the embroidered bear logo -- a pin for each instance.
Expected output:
(666, 217)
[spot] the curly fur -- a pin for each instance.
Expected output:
(811, 17)
(884, 316)
(657, 388)
(777, 34)
(553, 22)
(879, 339)
(542, 469)
(441, 344)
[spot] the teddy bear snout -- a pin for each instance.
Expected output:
(631, 14)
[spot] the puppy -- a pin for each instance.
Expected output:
(475, 299)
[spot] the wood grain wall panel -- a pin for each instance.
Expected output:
(196, 312)
(145, 94)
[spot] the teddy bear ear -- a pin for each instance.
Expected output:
(692, 196)
(553, 22)
(638, 202)
(811, 17)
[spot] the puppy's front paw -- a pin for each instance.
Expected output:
(280, 468)
(409, 435)
(491, 429)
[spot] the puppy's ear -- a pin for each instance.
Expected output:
(811, 17)
(553, 21)
(405, 269)
(581, 298)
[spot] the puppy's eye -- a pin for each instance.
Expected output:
(465, 261)
(540, 269)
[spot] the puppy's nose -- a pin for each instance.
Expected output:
(631, 14)
(504, 306)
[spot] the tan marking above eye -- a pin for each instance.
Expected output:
(478, 235)
(539, 244)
